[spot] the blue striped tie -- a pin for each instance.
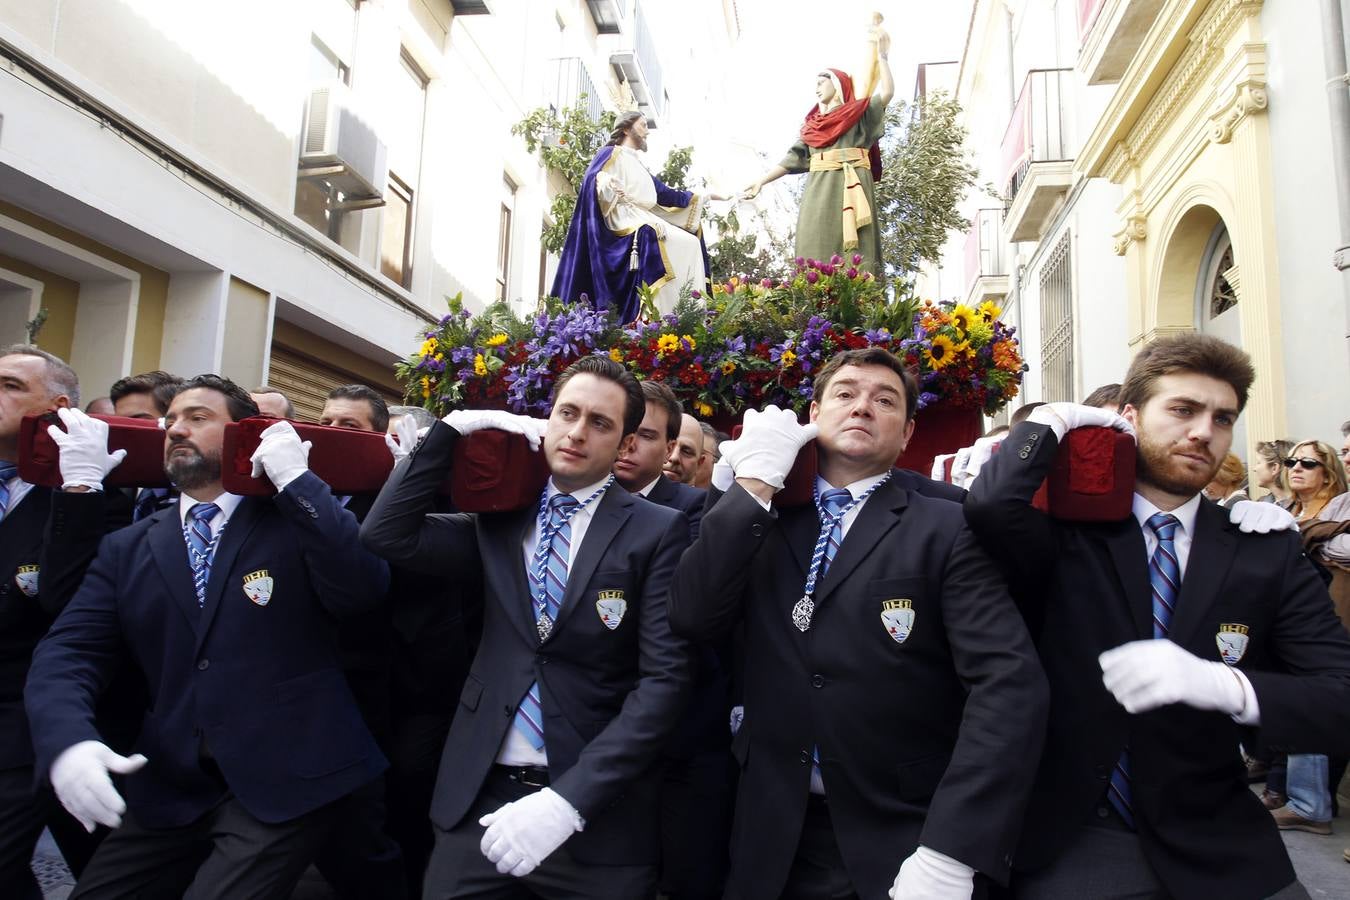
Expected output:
(551, 555)
(7, 473)
(1164, 578)
(197, 533)
(832, 502)
(148, 502)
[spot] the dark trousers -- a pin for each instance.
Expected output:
(697, 795)
(458, 868)
(414, 753)
(360, 861)
(1106, 862)
(226, 854)
(818, 871)
(20, 826)
(23, 814)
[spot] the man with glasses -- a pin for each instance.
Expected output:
(1168, 637)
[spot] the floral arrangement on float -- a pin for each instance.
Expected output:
(750, 343)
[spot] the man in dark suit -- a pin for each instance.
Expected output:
(579, 681)
(893, 705)
(226, 606)
(32, 382)
(1168, 638)
(698, 775)
(145, 396)
(639, 466)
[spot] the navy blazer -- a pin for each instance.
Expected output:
(1084, 589)
(913, 731)
(684, 497)
(611, 693)
(252, 683)
(23, 621)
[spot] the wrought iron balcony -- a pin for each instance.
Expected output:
(1037, 156)
(986, 265)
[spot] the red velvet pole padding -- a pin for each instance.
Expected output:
(347, 460)
(143, 439)
(495, 471)
(1092, 479)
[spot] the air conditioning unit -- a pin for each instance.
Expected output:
(341, 146)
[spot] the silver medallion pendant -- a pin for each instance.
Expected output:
(802, 611)
(544, 624)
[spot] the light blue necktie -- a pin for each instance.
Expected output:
(1164, 578)
(201, 547)
(548, 583)
(7, 473)
(834, 504)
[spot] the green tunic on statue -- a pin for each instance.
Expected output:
(820, 229)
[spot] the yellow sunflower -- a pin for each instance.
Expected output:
(496, 340)
(703, 409)
(962, 317)
(941, 352)
(989, 310)
(692, 343)
(728, 367)
(787, 359)
(667, 343)
(615, 355)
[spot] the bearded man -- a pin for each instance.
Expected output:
(1169, 638)
(630, 230)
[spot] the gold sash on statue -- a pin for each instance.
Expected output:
(857, 212)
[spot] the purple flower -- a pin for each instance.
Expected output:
(836, 259)
(877, 335)
(736, 344)
(812, 277)
(800, 262)
(852, 273)
(766, 282)
(857, 259)
(926, 398)
(696, 294)
(585, 298)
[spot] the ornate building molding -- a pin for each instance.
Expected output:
(1135, 229)
(1248, 98)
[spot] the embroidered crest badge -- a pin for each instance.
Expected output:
(1232, 640)
(897, 616)
(26, 579)
(611, 607)
(258, 587)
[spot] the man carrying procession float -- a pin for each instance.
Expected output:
(826, 675)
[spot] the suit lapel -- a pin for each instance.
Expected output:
(169, 552)
(877, 517)
(237, 530)
(1212, 549)
(662, 492)
(1125, 542)
(801, 527)
(504, 565)
(614, 509)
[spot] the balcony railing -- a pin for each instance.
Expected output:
(571, 84)
(985, 249)
(640, 67)
(1036, 132)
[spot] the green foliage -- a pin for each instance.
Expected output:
(675, 172)
(566, 141)
(734, 252)
(35, 325)
(927, 173)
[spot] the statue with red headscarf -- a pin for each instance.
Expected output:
(838, 150)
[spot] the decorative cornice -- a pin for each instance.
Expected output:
(1204, 46)
(1246, 99)
(1134, 230)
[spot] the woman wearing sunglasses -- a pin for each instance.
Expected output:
(1315, 476)
(1317, 479)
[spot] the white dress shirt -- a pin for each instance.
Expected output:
(228, 503)
(857, 489)
(1181, 542)
(515, 749)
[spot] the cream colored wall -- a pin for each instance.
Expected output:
(60, 296)
(1195, 150)
(247, 319)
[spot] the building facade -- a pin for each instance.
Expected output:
(285, 193)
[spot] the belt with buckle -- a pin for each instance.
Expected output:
(530, 776)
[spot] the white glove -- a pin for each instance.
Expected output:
(768, 445)
(1065, 417)
(80, 778)
(1260, 518)
(83, 449)
(521, 835)
(959, 464)
(939, 472)
(722, 475)
(466, 421)
(281, 455)
(929, 875)
(1144, 675)
(980, 453)
(405, 430)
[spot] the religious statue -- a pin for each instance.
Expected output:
(630, 230)
(839, 150)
